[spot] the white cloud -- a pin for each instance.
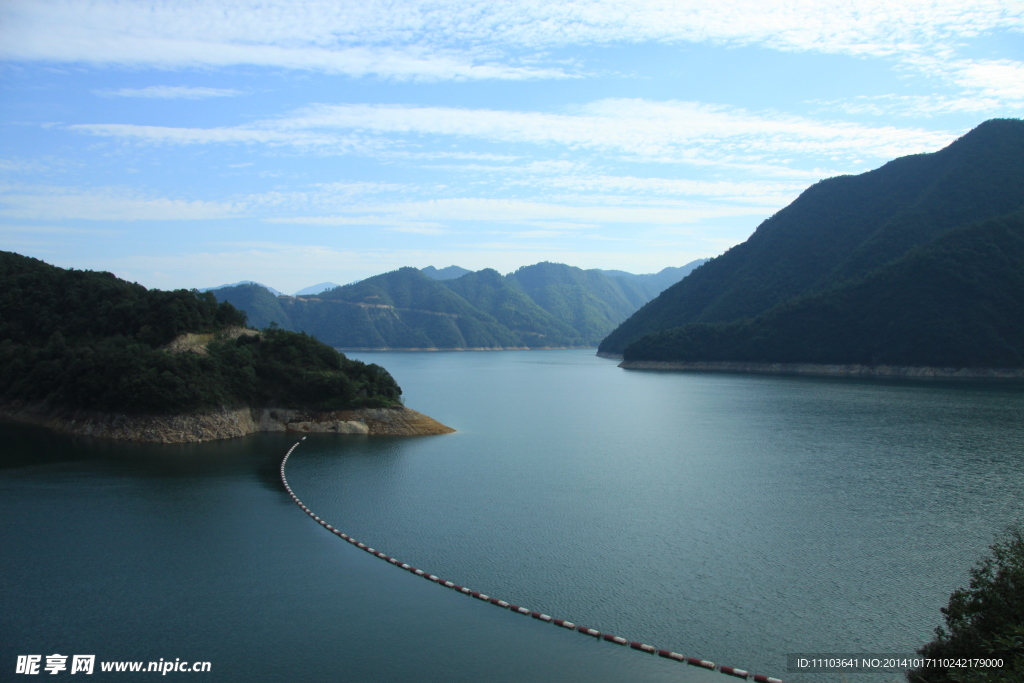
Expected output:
(22, 166)
(666, 131)
(320, 197)
(63, 203)
(469, 39)
(998, 79)
(169, 92)
(56, 230)
(763, 192)
(992, 85)
(426, 228)
(186, 40)
(439, 212)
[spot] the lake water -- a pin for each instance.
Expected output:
(729, 517)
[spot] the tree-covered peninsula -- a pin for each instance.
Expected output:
(83, 340)
(917, 263)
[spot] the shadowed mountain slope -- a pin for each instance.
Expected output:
(956, 302)
(844, 227)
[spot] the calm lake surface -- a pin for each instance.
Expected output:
(730, 517)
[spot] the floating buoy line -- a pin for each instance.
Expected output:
(594, 633)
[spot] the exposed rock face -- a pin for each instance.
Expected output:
(193, 342)
(830, 370)
(372, 421)
(226, 423)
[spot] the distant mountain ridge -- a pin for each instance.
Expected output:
(916, 263)
(544, 305)
(316, 289)
(243, 282)
(449, 273)
(655, 283)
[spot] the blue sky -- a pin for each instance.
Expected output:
(190, 144)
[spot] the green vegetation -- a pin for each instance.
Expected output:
(86, 340)
(261, 306)
(985, 620)
(841, 229)
(449, 273)
(588, 300)
(511, 307)
(547, 304)
(957, 302)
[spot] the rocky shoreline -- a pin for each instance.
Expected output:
(827, 370)
(225, 423)
(460, 348)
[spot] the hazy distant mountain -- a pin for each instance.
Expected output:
(244, 282)
(833, 247)
(654, 284)
(449, 273)
(548, 304)
(316, 289)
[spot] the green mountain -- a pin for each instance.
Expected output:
(588, 300)
(260, 305)
(402, 309)
(545, 305)
(956, 302)
(506, 301)
(84, 340)
(449, 273)
(842, 228)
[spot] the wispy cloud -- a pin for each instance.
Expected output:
(666, 131)
(50, 38)
(481, 211)
(466, 39)
(422, 227)
(63, 203)
(56, 230)
(169, 92)
(981, 85)
(764, 192)
(995, 83)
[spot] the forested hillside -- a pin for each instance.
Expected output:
(957, 302)
(544, 305)
(261, 307)
(87, 340)
(843, 228)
